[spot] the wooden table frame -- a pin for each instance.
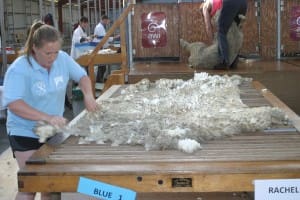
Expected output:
(167, 171)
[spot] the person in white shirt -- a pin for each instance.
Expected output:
(79, 35)
(99, 33)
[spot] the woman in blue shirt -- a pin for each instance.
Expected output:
(34, 90)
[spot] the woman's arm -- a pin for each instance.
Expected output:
(88, 94)
(207, 19)
(22, 109)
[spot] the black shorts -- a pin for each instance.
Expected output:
(20, 143)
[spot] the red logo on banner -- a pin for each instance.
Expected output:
(295, 23)
(154, 33)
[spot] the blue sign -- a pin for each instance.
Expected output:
(103, 190)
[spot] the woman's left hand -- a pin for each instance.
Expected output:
(91, 104)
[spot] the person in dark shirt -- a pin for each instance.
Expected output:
(230, 11)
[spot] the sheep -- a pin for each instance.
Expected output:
(206, 56)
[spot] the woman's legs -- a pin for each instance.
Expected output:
(231, 9)
(21, 157)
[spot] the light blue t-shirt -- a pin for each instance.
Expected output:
(42, 90)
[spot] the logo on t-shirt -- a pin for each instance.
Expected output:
(59, 82)
(39, 88)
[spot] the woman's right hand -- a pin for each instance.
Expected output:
(56, 121)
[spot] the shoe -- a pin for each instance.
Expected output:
(221, 66)
(234, 64)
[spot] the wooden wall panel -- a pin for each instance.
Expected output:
(191, 25)
(185, 21)
(251, 31)
(268, 29)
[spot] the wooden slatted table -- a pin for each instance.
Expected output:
(227, 165)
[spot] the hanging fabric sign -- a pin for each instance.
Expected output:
(154, 30)
(295, 23)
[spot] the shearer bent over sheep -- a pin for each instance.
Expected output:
(222, 53)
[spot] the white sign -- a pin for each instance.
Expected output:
(277, 189)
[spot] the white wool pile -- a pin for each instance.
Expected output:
(176, 114)
(188, 145)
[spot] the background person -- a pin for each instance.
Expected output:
(48, 19)
(79, 35)
(230, 11)
(99, 33)
(34, 90)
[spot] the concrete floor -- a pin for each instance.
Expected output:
(3, 136)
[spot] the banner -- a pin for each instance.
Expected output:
(295, 23)
(154, 29)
